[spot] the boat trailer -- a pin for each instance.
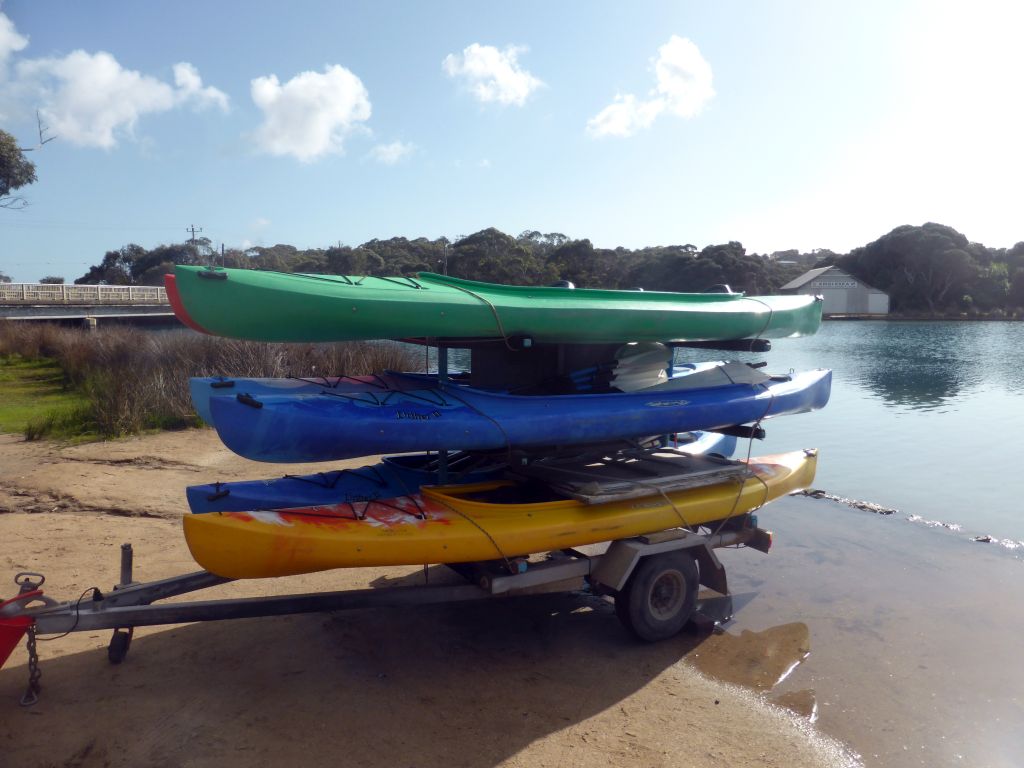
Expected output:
(654, 580)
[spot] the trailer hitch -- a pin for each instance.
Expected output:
(14, 625)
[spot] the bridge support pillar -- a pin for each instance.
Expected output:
(91, 323)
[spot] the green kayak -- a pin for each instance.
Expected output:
(276, 306)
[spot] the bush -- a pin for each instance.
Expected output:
(136, 380)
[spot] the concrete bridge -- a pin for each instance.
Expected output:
(85, 303)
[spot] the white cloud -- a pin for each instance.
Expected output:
(684, 77)
(683, 87)
(492, 75)
(391, 154)
(10, 93)
(190, 88)
(311, 114)
(10, 40)
(91, 100)
(624, 116)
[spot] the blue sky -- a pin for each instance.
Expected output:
(781, 125)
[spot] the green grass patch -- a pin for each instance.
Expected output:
(76, 385)
(34, 400)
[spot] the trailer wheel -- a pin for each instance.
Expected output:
(659, 597)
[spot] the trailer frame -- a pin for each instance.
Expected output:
(610, 572)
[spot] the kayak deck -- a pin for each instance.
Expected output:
(632, 475)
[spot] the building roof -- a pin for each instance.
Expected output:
(809, 275)
(806, 277)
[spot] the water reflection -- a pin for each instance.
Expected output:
(908, 365)
(914, 365)
(923, 384)
(758, 660)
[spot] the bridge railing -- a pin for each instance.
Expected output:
(44, 293)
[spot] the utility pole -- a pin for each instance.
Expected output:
(193, 229)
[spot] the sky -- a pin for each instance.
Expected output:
(792, 124)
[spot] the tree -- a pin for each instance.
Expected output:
(494, 257)
(582, 264)
(353, 261)
(540, 245)
(52, 280)
(116, 267)
(16, 171)
(4, 278)
(927, 267)
(149, 268)
(679, 268)
(134, 265)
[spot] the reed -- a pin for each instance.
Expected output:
(135, 380)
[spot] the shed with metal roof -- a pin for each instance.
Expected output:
(844, 294)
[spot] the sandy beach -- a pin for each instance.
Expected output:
(893, 670)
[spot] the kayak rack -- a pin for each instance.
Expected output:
(654, 580)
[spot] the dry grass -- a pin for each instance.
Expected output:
(135, 380)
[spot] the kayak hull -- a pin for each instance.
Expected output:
(332, 426)
(204, 388)
(444, 525)
(275, 306)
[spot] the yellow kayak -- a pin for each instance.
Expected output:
(466, 523)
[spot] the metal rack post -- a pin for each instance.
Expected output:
(442, 380)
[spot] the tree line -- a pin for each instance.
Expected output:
(925, 269)
(531, 258)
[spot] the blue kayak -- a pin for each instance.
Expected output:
(332, 425)
(394, 476)
(204, 388)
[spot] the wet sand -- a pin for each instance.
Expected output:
(901, 640)
(915, 632)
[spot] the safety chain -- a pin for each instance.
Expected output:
(31, 695)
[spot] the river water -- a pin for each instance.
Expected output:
(914, 629)
(923, 417)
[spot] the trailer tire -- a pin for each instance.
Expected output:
(659, 597)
